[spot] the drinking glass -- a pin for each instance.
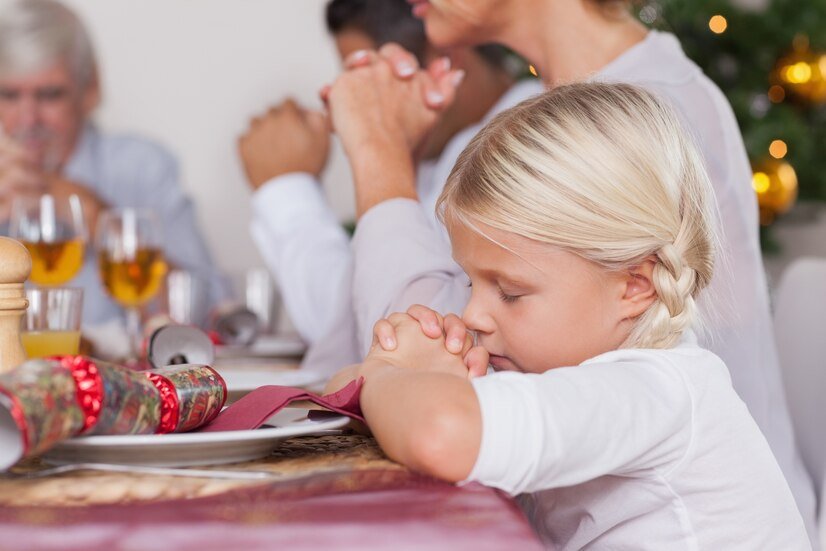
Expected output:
(188, 298)
(53, 230)
(52, 321)
(131, 261)
(261, 298)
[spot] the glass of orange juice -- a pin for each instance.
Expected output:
(52, 321)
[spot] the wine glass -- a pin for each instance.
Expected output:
(52, 228)
(131, 261)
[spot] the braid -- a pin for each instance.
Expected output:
(675, 283)
(682, 269)
(673, 313)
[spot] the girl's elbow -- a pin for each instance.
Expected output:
(446, 443)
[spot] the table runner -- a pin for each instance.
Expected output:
(296, 457)
(363, 510)
(377, 504)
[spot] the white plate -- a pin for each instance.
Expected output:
(192, 448)
(247, 380)
(266, 346)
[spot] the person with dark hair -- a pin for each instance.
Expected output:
(285, 151)
(377, 22)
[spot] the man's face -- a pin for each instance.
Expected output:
(44, 112)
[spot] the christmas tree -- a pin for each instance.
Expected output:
(769, 58)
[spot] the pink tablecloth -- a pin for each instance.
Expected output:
(359, 510)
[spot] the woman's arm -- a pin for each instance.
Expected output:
(381, 121)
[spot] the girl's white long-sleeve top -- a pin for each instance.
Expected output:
(636, 449)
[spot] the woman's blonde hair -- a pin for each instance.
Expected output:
(604, 171)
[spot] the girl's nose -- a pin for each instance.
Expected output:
(476, 317)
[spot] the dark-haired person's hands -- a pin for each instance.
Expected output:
(286, 139)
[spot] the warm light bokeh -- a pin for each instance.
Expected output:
(775, 183)
(718, 24)
(778, 149)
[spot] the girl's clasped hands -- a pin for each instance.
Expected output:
(423, 340)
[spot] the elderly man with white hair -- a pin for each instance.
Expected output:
(49, 87)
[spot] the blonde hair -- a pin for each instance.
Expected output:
(604, 171)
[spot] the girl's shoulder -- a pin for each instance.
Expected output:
(687, 347)
(687, 361)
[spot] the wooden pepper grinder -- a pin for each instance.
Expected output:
(15, 267)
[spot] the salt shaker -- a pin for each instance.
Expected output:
(15, 267)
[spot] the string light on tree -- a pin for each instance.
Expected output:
(718, 24)
(802, 73)
(777, 93)
(778, 149)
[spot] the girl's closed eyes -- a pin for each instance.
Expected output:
(507, 298)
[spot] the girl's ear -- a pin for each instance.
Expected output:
(639, 292)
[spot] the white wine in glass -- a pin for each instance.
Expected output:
(54, 232)
(133, 281)
(131, 261)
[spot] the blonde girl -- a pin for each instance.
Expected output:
(583, 219)
(574, 41)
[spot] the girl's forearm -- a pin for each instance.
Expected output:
(430, 422)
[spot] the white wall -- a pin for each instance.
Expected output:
(190, 73)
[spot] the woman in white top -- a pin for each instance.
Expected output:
(583, 219)
(297, 233)
(400, 261)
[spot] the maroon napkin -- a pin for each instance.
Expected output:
(252, 410)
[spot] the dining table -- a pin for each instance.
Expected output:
(332, 490)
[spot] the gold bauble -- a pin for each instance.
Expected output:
(802, 73)
(775, 183)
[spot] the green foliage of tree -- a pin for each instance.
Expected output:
(741, 61)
